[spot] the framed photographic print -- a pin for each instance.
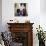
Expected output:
(20, 9)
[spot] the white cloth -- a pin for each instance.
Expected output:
(0, 45)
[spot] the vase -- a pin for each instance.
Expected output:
(41, 43)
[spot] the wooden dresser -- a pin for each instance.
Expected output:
(22, 33)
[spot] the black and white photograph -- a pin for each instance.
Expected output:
(20, 9)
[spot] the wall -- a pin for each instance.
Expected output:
(34, 15)
(0, 15)
(43, 14)
(8, 11)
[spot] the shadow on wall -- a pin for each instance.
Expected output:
(0, 15)
(43, 6)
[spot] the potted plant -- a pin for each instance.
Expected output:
(41, 36)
